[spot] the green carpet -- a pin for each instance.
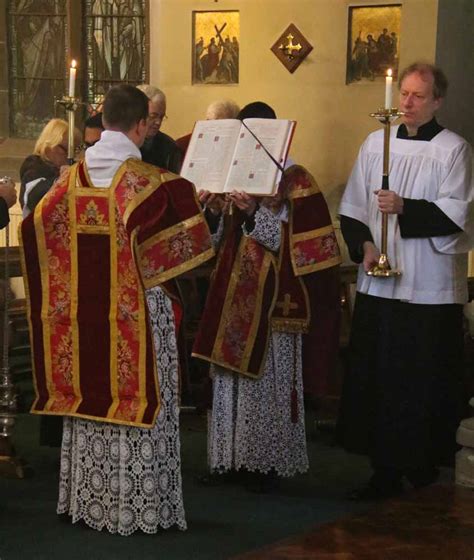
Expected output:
(223, 521)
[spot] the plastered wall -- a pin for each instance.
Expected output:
(332, 116)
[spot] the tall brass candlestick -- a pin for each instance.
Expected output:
(383, 269)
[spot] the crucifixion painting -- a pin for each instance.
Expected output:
(216, 37)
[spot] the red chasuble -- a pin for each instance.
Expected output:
(88, 256)
(253, 289)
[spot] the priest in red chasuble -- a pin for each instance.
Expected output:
(100, 254)
(258, 307)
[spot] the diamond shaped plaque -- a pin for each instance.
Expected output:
(291, 48)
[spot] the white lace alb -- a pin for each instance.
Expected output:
(250, 424)
(126, 478)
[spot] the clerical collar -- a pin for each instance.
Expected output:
(425, 132)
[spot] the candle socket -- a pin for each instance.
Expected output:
(69, 103)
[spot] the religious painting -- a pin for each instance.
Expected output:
(216, 37)
(373, 43)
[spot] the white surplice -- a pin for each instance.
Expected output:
(439, 171)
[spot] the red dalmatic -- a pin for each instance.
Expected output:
(88, 256)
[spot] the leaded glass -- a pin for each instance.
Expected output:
(116, 44)
(37, 69)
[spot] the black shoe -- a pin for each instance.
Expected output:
(419, 478)
(263, 483)
(371, 493)
(210, 479)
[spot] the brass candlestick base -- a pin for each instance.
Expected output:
(383, 269)
(12, 466)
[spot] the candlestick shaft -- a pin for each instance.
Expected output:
(385, 180)
(70, 141)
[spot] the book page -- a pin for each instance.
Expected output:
(210, 152)
(252, 170)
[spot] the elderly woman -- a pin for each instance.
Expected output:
(39, 171)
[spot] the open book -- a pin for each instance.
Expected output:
(224, 156)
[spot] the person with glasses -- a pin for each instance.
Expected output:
(39, 170)
(159, 149)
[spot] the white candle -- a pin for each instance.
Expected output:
(72, 78)
(388, 89)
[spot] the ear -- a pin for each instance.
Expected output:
(438, 102)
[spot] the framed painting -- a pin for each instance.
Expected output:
(373, 42)
(216, 37)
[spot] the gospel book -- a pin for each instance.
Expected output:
(228, 154)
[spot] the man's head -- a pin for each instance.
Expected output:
(156, 108)
(126, 110)
(225, 109)
(422, 89)
(93, 128)
(257, 110)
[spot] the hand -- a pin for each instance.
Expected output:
(371, 255)
(244, 202)
(8, 191)
(212, 201)
(389, 202)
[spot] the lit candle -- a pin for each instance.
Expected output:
(388, 89)
(72, 78)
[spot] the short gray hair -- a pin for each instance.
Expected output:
(152, 92)
(223, 109)
(440, 82)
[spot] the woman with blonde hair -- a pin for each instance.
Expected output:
(37, 174)
(39, 171)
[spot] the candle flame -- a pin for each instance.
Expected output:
(389, 72)
(73, 64)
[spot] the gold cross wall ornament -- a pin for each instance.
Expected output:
(286, 305)
(291, 48)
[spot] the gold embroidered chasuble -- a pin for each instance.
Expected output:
(88, 255)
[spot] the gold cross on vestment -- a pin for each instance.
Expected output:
(286, 305)
(290, 47)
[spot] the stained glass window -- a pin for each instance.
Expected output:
(116, 45)
(37, 67)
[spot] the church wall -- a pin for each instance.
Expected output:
(332, 117)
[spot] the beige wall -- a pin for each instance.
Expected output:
(332, 117)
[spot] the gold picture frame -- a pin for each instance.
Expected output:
(216, 44)
(373, 42)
